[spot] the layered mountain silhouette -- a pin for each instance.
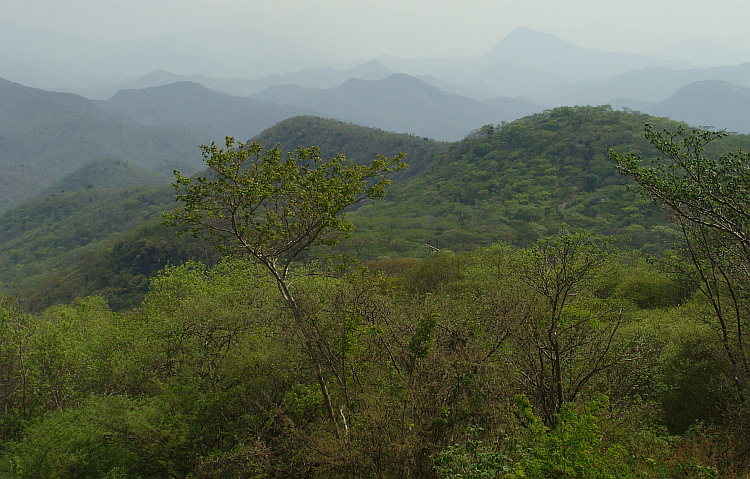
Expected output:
(45, 135)
(192, 106)
(710, 104)
(399, 103)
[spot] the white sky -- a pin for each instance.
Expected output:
(357, 29)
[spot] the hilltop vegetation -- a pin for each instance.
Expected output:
(107, 174)
(360, 144)
(512, 183)
(518, 182)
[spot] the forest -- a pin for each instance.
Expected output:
(562, 296)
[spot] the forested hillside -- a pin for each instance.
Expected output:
(518, 182)
(360, 144)
(511, 183)
(51, 247)
(516, 346)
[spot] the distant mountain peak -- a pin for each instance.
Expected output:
(524, 42)
(180, 88)
(372, 70)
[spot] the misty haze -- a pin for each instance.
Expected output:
(375, 239)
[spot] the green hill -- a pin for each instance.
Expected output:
(509, 183)
(518, 182)
(42, 236)
(98, 232)
(359, 143)
(108, 174)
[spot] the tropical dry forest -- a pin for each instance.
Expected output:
(563, 296)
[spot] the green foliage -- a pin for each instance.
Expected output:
(473, 460)
(41, 241)
(209, 379)
(106, 437)
(517, 185)
(273, 208)
(16, 330)
(576, 447)
(585, 443)
(107, 173)
(407, 368)
(569, 338)
(539, 171)
(706, 194)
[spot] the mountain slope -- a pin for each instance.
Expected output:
(192, 106)
(400, 103)
(710, 103)
(513, 182)
(519, 182)
(81, 239)
(543, 51)
(108, 173)
(360, 144)
(45, 135)
(648, 84)
(324, 77)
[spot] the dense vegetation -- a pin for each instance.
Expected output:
(534, 350)
(433, 371)
(518, 182)
(360, 144)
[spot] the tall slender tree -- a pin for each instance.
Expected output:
(273, 207)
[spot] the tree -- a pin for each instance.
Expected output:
(708, 198)
(569, 337)
(271, 208)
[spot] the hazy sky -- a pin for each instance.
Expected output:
(354, 29)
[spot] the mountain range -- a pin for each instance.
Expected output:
(45, 135)
(97, 231)
(528, 71)
(158, 120)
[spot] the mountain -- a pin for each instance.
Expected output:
(532, 64)
(477, 90)
(192, 106)
(360, 144)
(567, 61)
(105, 89)
(46, 135)
(648, 84)
(80, 239)
(709, 103)
(518, 182)
(19, 72)
(703, 52)
(324, 77)
(514, 182)
(399, 103)
(517, 80)
(514, 108)
(108, 173)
